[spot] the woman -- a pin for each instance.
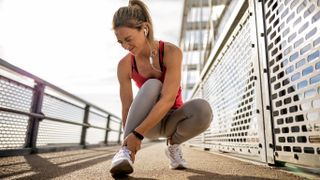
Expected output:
(157, 110)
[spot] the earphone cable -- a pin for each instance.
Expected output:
(150, 58)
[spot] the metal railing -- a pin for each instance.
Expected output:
(36, 116)
(262, 80)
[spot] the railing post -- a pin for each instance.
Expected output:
(84, 128)
(107, 131)
(33, 123)
(120, 132)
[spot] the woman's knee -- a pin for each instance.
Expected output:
(203, 112)
(153, 82)
(151, 87)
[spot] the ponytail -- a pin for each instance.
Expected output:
(134, 16)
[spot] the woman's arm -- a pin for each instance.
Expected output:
(170, 87)
(125, 88)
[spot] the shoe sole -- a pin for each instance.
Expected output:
(123, 168)
(179, 167)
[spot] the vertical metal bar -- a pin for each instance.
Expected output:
(259, 94)
(33, 124)
(120, 132)
(84, 128)
(265, 78)
(107, 131)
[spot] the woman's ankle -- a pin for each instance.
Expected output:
(170, 141)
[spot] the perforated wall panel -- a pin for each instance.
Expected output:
(115, 126)
(198, 93)
(58, 108)
(13, 127)
(51, 132)
(96, 136)
(232, 88)
(293, 40)
(56, 133)
(13, 130)
(14, 95)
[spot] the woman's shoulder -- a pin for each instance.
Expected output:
(171, 51)
(170, 48)
(124, 65)
(125, 60)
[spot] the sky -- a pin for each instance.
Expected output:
(71, 44)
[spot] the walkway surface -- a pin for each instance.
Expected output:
(151, 163)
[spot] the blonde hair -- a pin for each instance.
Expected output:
(134, 16)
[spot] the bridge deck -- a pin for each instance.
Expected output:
(151, 163)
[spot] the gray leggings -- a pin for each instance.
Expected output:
(181, 124)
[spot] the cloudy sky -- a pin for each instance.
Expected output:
(70, 44)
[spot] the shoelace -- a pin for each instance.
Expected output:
(176, 151)
(123, 152)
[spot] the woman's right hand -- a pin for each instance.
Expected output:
(133, 144)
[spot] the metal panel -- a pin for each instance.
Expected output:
(232, 87)
(13, 127)
(15, 95)
(199, 92)
(257, 7)
(96, 136)
(51, 132)
(113, 134)
(114, 137)
(13, 130)
(293, 41)
(58, 108)
(56, 133)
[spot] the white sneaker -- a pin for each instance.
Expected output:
(121, 162)
(174, 153)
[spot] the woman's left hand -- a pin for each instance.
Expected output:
(133, 144)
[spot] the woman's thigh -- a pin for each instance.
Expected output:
(190, 117)
(157, 131)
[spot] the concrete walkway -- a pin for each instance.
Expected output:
(151, 163)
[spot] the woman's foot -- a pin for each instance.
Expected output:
(121, 163)
(174, 153)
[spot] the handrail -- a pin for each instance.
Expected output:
(41, 117)
(39, 80)
(38, 97)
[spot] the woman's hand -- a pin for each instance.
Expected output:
(133, 144)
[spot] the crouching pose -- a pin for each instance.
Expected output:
(158, 109)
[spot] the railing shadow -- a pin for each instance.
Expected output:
(42, 167)
(210, 175)
(46, 169)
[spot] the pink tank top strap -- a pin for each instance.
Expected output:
(161, 53)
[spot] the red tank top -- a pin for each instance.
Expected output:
(140, 79)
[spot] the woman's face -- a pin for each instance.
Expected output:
(130, 39)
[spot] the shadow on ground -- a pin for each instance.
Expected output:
(210, 175)
(50, 165)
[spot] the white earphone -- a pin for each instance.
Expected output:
(145, 32)
(151, 60)
(151, 54)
